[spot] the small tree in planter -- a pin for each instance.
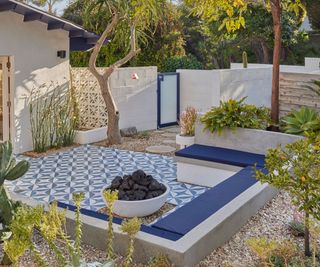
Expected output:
(296, 169)
(187, 123)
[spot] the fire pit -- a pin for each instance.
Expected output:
(139, 194)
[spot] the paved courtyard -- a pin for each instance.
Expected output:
(89, 168)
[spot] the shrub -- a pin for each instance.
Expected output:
(186, 62)
(299, 122)
(233, 114)
(187, 121)
(53, 117)
(295, 169)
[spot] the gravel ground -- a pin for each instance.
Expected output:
(140, 142)
(271, 221)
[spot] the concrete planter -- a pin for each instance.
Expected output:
(138, 208)
(91, 136)
(249, 140)
(184, 141)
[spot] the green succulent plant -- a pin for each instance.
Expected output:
(9, 170)
(234, 114)
(302, 121)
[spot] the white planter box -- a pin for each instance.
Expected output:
(138, 208)
(91, 136)
(184, 141)
(249, 140)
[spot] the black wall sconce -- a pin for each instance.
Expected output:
(62, 54)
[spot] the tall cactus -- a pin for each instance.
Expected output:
(9, 170)
(245, 59)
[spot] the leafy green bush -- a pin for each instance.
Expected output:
(299, 122)
(186, 62)
(295, 168)
(233, 114)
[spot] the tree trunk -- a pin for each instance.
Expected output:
(113, 132)
(276, 16)
(307, 251)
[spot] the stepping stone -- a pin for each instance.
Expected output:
(160, 149)
(169, 142)
(169, 135)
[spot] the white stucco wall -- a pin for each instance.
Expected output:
(255, 84)
(34, 50)
(203, 89)
(199, 89)
(312, 65)
(136, 99)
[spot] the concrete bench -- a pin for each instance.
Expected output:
(195, 212)
(209, 166)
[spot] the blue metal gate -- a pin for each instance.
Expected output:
(168, 99)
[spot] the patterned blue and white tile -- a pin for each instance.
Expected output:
(89, 168)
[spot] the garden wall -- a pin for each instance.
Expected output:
(311, 65)
(294, 94)
(136, 98)
(203, 89)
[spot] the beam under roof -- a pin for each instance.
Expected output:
(32, 16)
(7, 6)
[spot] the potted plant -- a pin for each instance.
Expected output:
(187, 123)
(237, 125)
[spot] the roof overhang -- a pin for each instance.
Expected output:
(80, 39)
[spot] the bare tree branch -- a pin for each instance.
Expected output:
(132, 53)
(99, 45)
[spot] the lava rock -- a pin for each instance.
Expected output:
(155, 185)
(137, 175)
(138, 186)
(116, 183)
(129, 132)
(125, 186)
(139, 195)
(122, 195)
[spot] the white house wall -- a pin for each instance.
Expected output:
(34, 50)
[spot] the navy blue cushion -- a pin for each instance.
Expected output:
(190, 215)
(144, 228)
(222, 155)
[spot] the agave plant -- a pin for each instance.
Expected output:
(299, 122)
(9, 170)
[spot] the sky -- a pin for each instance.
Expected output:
(61, 6)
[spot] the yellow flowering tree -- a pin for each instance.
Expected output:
(233, 10)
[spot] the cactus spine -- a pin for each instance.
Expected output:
(245, 59)
(9, 170)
